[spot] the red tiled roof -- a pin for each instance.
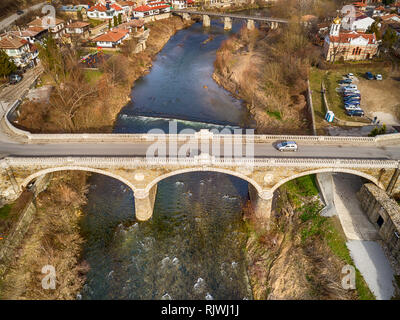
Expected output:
(389, 16)
(77, 24)
(359, 4)
(126, 3)
(9, 42)
(112, 36)
(38, 22)
(189, 1)
(98, 7)
(345, 37)
(380, 8)
(116, 7)
(143, 8)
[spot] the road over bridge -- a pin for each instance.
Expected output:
(142, 160)
(186, 13)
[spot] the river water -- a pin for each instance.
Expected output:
(194, 245)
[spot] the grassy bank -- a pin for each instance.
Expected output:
(303, 254)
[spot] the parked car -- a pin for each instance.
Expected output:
(351, 98)
(287, 146)
(345, 81)
(378, 77)
(350, 75)
(352, 107)
(19, 12)
(351, 91)
(369, 76)
(350, 86)
(15, 78)
(357, 113)
(348, 98)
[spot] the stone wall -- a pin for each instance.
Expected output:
(384, 213)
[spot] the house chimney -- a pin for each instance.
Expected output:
(108, 5)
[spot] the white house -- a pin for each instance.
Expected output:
(151, 9)
(112, 38)
(105, 12)
(78, 28)
(360, 24)
(179, 4)
(391, 18)
(18, 50)
(56, 27)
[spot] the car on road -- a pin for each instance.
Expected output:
(19, 12)
(369, 76)
(15, 78)
(378, 77)
(357, 113)
(287, 146)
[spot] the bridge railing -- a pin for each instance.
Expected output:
(201, 135)
(127, 162)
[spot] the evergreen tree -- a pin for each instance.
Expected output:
(7, 65)
(109, 24)
(115, 21)
(79, 14)
(374, 29)
(389, 38)
(119, 18)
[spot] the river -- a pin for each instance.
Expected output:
(194, 245)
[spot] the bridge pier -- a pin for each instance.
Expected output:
(250, 24)
(227, 23)
(186, 16)
(144, 203)
(261, 204)
(206, 21)
(274, 25)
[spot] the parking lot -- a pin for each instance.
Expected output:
(382, 98)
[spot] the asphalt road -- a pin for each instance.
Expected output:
(139, 149)
(11, 19)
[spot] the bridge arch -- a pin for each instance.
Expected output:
(332, 170)
(204, 169)
(39, 173)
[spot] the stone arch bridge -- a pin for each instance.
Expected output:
(228, 17)
(141, 174)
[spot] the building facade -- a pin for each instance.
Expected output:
(348, 45)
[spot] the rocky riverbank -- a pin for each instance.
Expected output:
(303, 254)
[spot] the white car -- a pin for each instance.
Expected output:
(349, 75)
(287, 146)
(378, 77)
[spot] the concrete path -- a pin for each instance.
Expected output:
(354, 221)
(368, 255)
(370, 259)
